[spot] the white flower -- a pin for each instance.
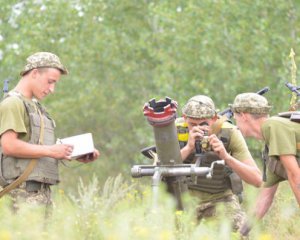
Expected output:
(81, 14)
(179, 9)
(43, 7)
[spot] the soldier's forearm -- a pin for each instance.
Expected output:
(185, 152)
(293, 171)
(294, 182)
(264, 201)
(12, 146)
(26, 150)
(247, 171)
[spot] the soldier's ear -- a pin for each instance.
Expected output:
(245, 116)
(215, 117)
(34, 72)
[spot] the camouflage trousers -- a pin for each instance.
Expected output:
(41, 197)
(227, 206)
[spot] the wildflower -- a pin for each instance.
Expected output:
(265, 236)
(165, 235)
(5, 235)
(178, 213)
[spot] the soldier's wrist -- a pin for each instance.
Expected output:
(189, 148)
(48, 151)
(228, 158)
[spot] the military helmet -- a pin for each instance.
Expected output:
(199, 106)
(43, 60)
(250, 103)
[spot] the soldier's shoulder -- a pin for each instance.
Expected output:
(11, 100)
(179, 121)
(277, 120)
(228, 124)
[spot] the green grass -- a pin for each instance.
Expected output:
(123, 210)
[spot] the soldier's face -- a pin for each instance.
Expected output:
(241, 122)
(45, 80)
(192, 122)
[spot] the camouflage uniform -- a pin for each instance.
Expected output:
(225, 206)
(38, 197)
(37, 190)
(210, 203)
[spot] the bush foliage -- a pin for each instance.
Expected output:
(120, 54)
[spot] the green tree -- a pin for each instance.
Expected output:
(120, 54)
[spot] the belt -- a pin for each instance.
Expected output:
(34, 186)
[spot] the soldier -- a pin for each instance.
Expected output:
(27, 133)
(228, 144)
(282, 145)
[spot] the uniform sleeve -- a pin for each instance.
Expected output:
(238, 147)
(12, 112)
(280, 137)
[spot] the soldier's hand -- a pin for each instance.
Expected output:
(89, 157)
(61, 151)
(218, 146)
(245, 229)
(196, 133)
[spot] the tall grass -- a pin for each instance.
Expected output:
(123, 210)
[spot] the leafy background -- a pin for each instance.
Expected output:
(121, 53)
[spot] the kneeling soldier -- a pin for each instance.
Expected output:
(225, 142)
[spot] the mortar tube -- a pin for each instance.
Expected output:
(161, 115)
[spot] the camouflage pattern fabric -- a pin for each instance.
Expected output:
(43, 60)
(213, 209)
(250, 103)
(41, 197)
(199, 106)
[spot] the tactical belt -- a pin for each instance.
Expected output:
(30, 166)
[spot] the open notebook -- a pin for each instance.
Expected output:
(83, 144)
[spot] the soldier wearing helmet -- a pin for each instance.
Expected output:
(282, 145)
(27, 133)
(226, 142)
